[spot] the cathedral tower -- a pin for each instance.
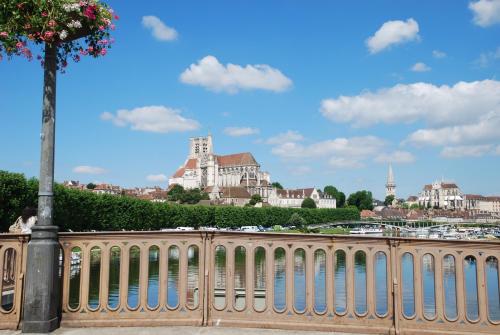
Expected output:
(200, 146)
(390, 186)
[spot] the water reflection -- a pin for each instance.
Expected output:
(320, 281)
(493, 286)
(114, 277)
(133, 277)
(360, 304)
(449, 287)
(279, 279)
(173, 277)
(428, 275)
(95, 277)
(470, 274)
(153, 276)
(339, 267)
(260, 279)
(299, 280)
(408, 285)
(380, 268)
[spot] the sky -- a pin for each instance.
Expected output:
(321, 92)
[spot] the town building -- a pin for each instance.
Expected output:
(478, 204)
(294, 198)
(443, 195)
(390, 185)
(107, 189)
(208, 171)
(74, 184)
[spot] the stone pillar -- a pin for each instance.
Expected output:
(42, 289)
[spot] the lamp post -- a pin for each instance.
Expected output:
(42, 288)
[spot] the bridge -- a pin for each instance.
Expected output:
(340, 283)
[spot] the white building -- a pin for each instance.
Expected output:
(205, 170)
(294, 198)
(441, 195)
(478, 204)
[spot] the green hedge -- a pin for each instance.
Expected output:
(84, 210)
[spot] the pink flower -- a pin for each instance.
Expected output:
(52, 23)
(117, 17)
(83, 52)
(48, 35)
(91, 49)
(112, 26)
(4, 34)
(101, 28)
(90, 12)
(19, 45)
(103, 52)
(44, 14)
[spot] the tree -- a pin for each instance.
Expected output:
(256, 198)
(361, 199)
(91, 186)
(308, 203)
(193, 196)
(298, 221)
(59, 26)
(175, 193)
(277, 185)
(415, 206)
(389, 200)
(339, 196)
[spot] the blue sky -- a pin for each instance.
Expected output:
(321, 92)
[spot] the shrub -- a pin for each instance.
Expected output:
(308, 203)
(84, 210)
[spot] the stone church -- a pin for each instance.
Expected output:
(218, 174)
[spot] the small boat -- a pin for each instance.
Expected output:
(364, 231)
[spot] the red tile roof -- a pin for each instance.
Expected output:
(179, 173)
(449, 185)
(240, 159)
(191, 164)
(235, 192)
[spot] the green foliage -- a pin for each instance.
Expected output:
(191, 197)
(361, 199)
(256, 198)
(388, 200)
(277, 185)
(308, 203)
(175, 193)
(84, 210)
(298, 221)
(91, 186)
(339, 196)
(416, 206)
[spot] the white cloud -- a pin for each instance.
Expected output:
(486, 12)
(240, 131)
(497, 150)
(345, 163)
(486, 58)
(157, 119)
(438, 54)
(484, 130)
(466, 151)
(395, 157)
(87, 169)
(420, 67)
(444, 105)
(160, 31)
(300, 170)
(358, 147)
(157, 178)
(231, 78)
(393, 32)
(289, 136)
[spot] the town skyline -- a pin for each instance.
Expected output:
(335, 111)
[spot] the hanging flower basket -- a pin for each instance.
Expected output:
(77, 28)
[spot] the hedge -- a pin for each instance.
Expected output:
(84, 211)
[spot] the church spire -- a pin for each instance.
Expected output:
(390, 186)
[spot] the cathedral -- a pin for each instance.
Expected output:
(216, 174)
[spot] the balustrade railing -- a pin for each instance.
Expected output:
(321, 282)
(12, 265)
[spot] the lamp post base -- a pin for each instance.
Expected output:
(42, 289)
